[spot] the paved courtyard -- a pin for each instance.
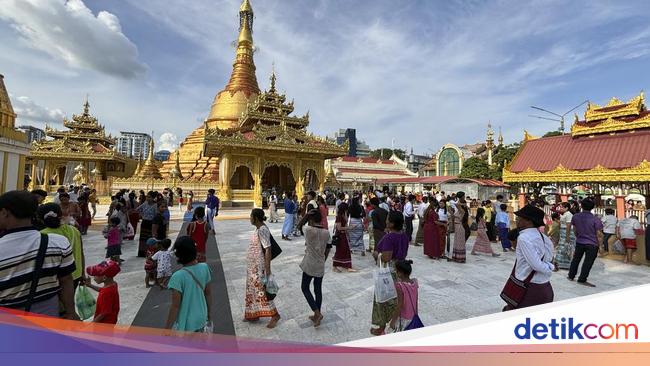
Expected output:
(448, 291)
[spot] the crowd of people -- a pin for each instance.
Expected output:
(48, 238)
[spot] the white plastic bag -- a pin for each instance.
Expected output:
(271, 286)
(618, 247)
(130, 231)
(384, 284)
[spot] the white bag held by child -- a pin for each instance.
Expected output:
(130, 231)
(384, 284)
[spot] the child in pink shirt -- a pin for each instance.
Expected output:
(407, 296)
(114, 238)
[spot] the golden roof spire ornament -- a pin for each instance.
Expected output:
(86, 107)
(272, 89)
(176, 170)
(500, 139)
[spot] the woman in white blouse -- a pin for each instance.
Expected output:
(534, 253)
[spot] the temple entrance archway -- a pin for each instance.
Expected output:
(310, 179)
(279, 179)
(242, 178)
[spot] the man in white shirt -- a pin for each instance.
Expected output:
(609, 228)
(74, 194)
(384, 205)
(408, 217)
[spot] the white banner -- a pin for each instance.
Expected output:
(609, 317)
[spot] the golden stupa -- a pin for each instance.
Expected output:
(251, 144)
(228, 105)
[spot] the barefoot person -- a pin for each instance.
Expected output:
(392, 247)
(258, 261)
(313, 264)
(342, 256)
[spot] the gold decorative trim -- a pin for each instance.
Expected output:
(528, 136)
(610, 125)
(639, 173)
(633, 107)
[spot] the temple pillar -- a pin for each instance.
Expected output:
(46, 176)
(300, 179)
(224, 193)
(620, 206)
(33, 183)
(257, 182)
(321, 179)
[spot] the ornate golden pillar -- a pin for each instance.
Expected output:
(257, 182)
(46, 176)
(225, 192)
(33, 182)
(321, 178)
(300, 179)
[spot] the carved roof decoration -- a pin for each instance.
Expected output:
(267, 124)
(615, 116)
(272, 107)
(84, 137)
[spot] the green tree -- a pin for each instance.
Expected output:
(385, 153)
(553, 133)
(501, 156)
(475, 167)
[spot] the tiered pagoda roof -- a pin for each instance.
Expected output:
(267, 124)
(85, 139)
(149, 169)
(611, 144)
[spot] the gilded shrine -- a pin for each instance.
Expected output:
(81, 154)
(250, 144)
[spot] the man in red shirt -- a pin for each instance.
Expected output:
(108, 301)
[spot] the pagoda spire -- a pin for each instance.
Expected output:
(500, 139)
(86, 107)
(272, 89)
(243, 70)
(149, 169)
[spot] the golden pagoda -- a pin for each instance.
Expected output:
(84, 144)
(149, 170)
(251, 144)
(228, 105)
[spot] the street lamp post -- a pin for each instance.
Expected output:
(560, 116)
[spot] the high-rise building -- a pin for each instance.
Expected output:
(133, 144)
(162, 155)
(33, 133)
(357, 147)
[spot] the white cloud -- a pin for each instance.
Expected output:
(68, 31)
(28, 110)
(167, 141)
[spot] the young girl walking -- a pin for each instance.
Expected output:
(114, 240)
(198, 230)
(406, 311)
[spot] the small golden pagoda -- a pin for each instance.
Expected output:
(148, 170)
(251, 144)
(86, 145)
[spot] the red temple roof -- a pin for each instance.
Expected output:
(619, 151)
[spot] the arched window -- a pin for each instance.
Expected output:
(449, 162)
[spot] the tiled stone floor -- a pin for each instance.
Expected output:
(448, 291)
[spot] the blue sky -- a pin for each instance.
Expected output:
(423, 72)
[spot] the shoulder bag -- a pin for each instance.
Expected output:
(515, 290)
(415, 322)
(208, 327)
(36, 275)
(275, 247)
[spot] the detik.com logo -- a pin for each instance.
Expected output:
(568, 328)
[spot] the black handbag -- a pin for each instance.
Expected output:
(275, 247)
